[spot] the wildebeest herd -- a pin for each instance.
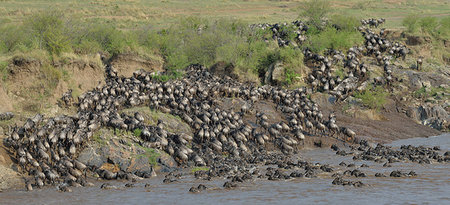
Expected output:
(323, 77)
(224, 139)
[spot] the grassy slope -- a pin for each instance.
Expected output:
(129, 14)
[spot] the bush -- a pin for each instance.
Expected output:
(3, 70)
(429, 25)
(48, 28)
(87, 47)
(137, 132)
(107, 37)
(373, 97)
(315, 11)
(411, 23)
(345, 23)
(293, 63)
(331, 38)
(444, 28)
(12, 37)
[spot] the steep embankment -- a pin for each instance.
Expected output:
(35, 85)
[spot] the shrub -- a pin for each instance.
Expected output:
(331, 38)
(444, 28)
(3, 70)
(87, 47)
(51, 76)
(11, 37)
(108, 37)
(49, 30)
(315, 11)
(373, 97)
(429, 25)
(137, 132)
(345, 23)
(293, 63)
(340, 73)
(411, 23)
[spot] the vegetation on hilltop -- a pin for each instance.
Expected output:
(56, 33)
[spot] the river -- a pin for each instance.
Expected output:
(431, 186)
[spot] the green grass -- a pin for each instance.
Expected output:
(373, 97)
(425, 93)
(97, 137)
(132, 14)
(195, 169)
(151, 154)
(137, 132)
(340, 73)
(3, 70)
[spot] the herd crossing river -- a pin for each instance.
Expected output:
(431, 186)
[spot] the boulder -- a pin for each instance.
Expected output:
(224, 69)
(435, 116)
(275, 75)
(436, 111)
(90, 157)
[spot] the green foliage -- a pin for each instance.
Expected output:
(173, 74)
(429, 24)
(373, 97)
(49, 30)
(340, 73)
(345, 23)
(137, 132)
(424, 92)
(106, 37)
(12, 37)
(195, 169)
(87, 47)
(315, 11)
(151, 154)
(444, 28)
(411, 23)
(97, 137)
(3, 70)
(293, 63)
(331, 38)
(195, 40)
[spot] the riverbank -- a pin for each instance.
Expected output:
(431, 178)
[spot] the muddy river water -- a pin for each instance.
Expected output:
(431, 186)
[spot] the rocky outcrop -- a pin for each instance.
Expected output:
(434, 116)
(223, 69)
(124, 152)
(275, 75)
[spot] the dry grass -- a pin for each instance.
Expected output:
(130, 14)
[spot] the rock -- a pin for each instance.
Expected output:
(120, 157)
(6, 116)
(140, 166)
(426, 84)
(415, 82)
(167, 161)
(436, 111)
(414, 40)
(413, 113)
(90, 157)
(223, 69)
(275, 74)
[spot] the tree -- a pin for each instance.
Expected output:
(315, 11)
